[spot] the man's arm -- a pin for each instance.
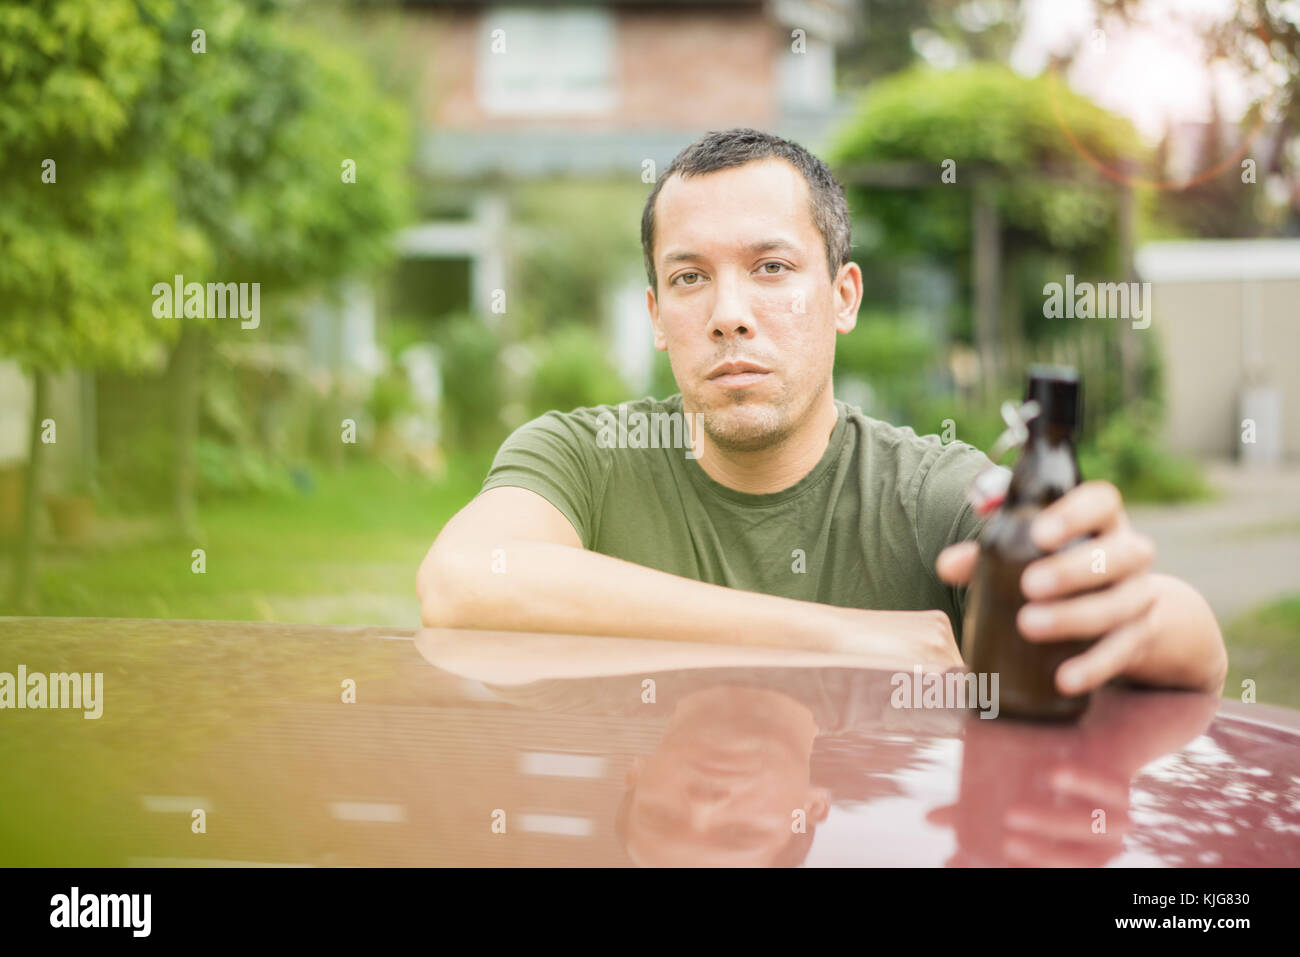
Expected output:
(510, 658)
(511, 561)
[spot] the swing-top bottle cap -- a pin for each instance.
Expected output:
(1056, 390)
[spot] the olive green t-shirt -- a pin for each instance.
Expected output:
(861, 530)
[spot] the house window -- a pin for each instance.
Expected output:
(551, 61)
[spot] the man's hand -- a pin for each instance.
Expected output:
(1149, 629)
(898, 639)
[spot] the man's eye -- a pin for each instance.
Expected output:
(681, 279)
(769, 272)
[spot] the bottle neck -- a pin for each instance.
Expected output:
(1047, 469)
(1051, 434)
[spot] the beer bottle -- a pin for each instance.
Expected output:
(1047, 469)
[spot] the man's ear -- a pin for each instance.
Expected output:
(652, 306)
(819, 804)
(848, 297)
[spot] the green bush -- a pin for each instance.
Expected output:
(471, 382)
(229, 470)
(574, 240)
(1128, 452)
(662, 382)
(885, 350)
(897, 358)
(573, 371)
(1125, 449)
(1004, 132)
(975, 422)
(985, 117)
(138, 474)
(390, 397)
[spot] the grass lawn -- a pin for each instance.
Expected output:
(344, 553)
(1264, 646)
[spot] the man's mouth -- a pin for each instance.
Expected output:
(737, 375)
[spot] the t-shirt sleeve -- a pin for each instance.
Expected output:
(553, 456)
(943, 516)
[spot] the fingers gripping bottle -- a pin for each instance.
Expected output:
(1047, 469)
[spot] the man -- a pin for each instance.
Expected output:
(789, 518)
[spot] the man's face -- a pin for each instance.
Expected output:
(720, 788)
(745, 305)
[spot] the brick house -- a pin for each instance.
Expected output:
(534, 91)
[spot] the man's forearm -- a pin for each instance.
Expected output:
(544, 587)
(1186, 649)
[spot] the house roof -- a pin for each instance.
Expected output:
(539, 152)
(1218, 260)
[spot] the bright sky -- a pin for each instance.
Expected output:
(1149, 72)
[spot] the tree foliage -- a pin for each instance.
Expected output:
(223, 165)
(990, 122)
(81, 251)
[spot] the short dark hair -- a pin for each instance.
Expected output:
(735, 147)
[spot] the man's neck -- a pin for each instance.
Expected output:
(773, 469)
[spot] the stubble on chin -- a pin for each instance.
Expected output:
(745, 428)
(747, 424)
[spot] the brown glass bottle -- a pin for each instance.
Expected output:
(1047, 470)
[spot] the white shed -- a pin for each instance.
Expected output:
(1227, 316)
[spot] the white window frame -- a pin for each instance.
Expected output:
(542, 70)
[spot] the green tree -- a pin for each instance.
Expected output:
(226, 156)
(885, 34)
(288, 159)
(86, 225)
(1017, 183)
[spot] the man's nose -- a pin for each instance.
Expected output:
(706, 805)
(731, 318)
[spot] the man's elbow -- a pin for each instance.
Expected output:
(1219, 665)
(1189, 613)
(439, 586)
